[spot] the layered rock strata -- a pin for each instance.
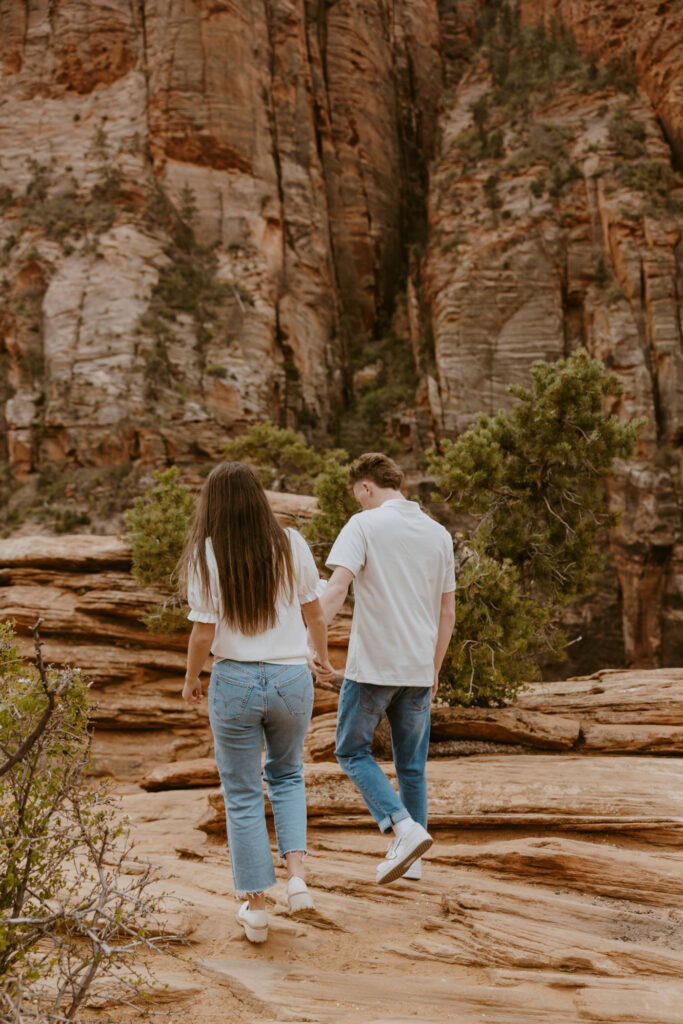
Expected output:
(549, 230)
(302, 132)
(92, 608)
(211, 215)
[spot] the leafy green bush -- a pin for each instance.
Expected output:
(532, 480)
(158, 523)
(67, 911)
(493, 652)
(283, 459)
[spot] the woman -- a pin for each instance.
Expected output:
(249, 581)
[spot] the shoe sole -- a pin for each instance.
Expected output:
(253, 934)
(299, 901)
(400, 867)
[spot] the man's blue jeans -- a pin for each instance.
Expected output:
(251, 702)
(361, 707)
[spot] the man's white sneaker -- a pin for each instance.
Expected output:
(254, 922)
(298, 895)
(414, 871)
(403, 851)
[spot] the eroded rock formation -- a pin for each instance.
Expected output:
(217, 213)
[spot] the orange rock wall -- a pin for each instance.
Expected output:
(317, 141)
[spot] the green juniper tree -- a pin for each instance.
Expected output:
(532, 483)
(158, 523)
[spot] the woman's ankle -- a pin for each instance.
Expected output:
(295, 864)
(257, 900)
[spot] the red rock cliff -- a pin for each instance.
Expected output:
(316, 150)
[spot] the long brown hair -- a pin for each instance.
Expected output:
(253, 552)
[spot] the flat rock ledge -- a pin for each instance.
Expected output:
(633, 795)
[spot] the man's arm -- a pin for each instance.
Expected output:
(446, 626)
(335, 592)
(198, 650)
(317, 632)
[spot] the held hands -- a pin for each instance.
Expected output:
(322, 670)
(192, 691)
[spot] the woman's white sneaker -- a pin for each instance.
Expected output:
(298, 895)
(254, 922)
(403, 851)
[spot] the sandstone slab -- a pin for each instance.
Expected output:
(72, 553)
(613, 696)
(505, 725)
(564, 793)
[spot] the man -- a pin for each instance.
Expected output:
(402, 567)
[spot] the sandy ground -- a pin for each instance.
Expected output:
(506, 927)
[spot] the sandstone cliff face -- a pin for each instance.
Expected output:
(313, 149)
(303, 131)
(545, 235)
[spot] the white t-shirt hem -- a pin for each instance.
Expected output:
(263, 661)
(393, 681)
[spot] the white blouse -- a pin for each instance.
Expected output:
(283, 644)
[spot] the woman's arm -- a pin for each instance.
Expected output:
(198, 650)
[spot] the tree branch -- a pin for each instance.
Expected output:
(51, 694)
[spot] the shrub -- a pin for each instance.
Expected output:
(216, 370)
(492, 196)
(626, 134)
(492, 654)
(6, 198)
(532, 480)
(601, 275)
(33, 361)
(68, 911)
(283, 459)
(613, 294)
(158, 523)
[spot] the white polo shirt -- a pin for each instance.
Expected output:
(285, 643)
(402, 562)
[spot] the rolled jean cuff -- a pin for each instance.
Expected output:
(244, 894)
(295, 849)
(391, 819)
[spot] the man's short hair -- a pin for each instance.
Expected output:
(377, 467)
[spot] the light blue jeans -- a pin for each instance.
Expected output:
(408, 708)
(251, 702)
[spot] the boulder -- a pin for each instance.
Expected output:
(598, 737)
(201, 771)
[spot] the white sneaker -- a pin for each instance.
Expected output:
(254, 922)
(403, 851)
(414, 871)
(298, 895)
